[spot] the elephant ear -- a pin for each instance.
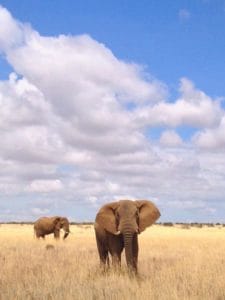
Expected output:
(148, 213)
(106, 217)
(63, 220)
(56, 222)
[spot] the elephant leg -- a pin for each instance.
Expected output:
(39, 235)
(104, 258)
(57, 234)
(135, 252)
(116, 259)
(116, 246)
(102, 251)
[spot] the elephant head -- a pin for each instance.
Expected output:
(62, 222)
(128, 218)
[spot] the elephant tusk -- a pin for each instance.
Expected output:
(118, 232)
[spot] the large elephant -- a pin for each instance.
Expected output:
(117, 226)
(47, 225)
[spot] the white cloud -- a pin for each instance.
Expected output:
(21, 104)
(36, 211)
(45, 186)
(213, 139)
(170, 138)
(12, 32)
(194, 108)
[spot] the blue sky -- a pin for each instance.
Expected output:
(110, 100)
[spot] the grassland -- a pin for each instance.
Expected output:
(174, 263)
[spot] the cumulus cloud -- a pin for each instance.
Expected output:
(74, 123)
(170, 138)
(12, 32)
(45, 186)
(21, 103)
(36, 211)
(194, 108)
(212, 138)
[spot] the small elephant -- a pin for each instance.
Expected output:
(117, 226)
(47, 225)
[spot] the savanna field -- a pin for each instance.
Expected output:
(174, 263)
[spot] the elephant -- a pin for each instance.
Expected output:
(47, 225)
(117, 226)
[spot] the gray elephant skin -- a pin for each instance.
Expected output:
(117, 226)
(48, 225)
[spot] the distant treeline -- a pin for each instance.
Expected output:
(193, 224)
(31, 223)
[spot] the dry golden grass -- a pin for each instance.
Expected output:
(174, 263)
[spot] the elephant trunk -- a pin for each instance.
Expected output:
(128, 236)
(65, 235)
(66, 230)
